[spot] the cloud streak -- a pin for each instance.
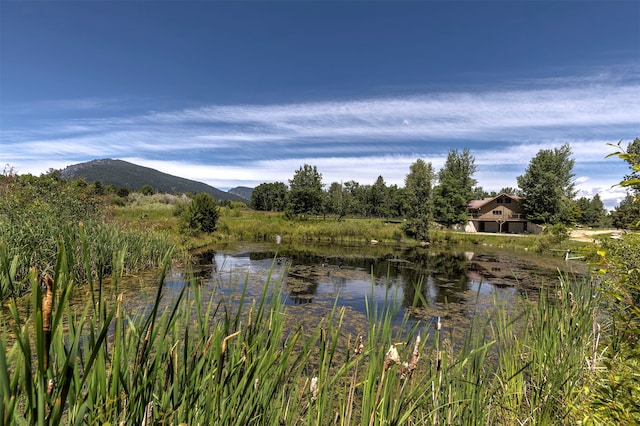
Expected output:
(353, 139)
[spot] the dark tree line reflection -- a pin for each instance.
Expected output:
(421, 276)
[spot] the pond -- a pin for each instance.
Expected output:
(424, 284)
(454, 285)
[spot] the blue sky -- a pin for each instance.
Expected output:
(241, 93)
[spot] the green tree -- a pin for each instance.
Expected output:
(547, 186)
(590, 212)
(305, 192)
(378, 198)
(633, 158)
(509, 190)
(626, 215)
(419, 186)
(201, 215)
(335, 197)
(123, 192)
(455, 188)
(98, 188)
(147, 190)
(399, 206)
(479, 193)
(596, 212)
(361, 200)
(269, 197)
(351, 200)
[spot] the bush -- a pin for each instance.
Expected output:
(613, 393)
(552, 237)
(201, 215)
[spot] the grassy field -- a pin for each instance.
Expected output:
(242, 224)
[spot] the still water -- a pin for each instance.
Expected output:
(455, 284)
(422, 284)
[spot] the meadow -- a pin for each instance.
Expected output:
(239, 223)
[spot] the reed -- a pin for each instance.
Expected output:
(35, 219)
(262, 226)
(194, 361)
(143, 251)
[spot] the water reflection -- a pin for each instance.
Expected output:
(450, 283)
(455, 285)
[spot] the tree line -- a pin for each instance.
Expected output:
(547, 189)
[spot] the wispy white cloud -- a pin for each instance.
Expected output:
(349, 139)
(484, 116)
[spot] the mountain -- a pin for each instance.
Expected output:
(123, 174)
(242, 192)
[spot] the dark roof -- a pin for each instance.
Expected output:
(476, 204)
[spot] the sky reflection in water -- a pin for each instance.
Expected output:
(454, 285)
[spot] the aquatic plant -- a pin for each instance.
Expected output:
(202, 361)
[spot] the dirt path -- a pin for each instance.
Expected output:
(587, 235)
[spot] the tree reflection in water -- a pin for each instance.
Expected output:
(453, 284)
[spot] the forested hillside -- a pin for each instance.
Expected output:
(123, 174)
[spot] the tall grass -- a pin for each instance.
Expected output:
(39, 214)
(200, 361)
(265, 226)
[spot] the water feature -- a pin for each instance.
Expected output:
(455, 285)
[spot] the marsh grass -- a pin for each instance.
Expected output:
(198, 361)
(37, 215)
(238, 223)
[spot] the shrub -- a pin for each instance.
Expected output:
(201, 215)
(552, 236)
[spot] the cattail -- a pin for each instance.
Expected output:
(47, 307)
(391, 358)
(415, 355)
(314, 388)
(148, 413)
(50, 387)
(223, 350)
(359, 346)
(408, 366)
(572, 302)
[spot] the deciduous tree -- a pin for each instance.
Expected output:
(632, 156)
(269, 197)
(305, 192)
(626, 215)
(590, 212)
(201, 215)
(547, 186)
(455, 188)
(378, 198)
(419, 186)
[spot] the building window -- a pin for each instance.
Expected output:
(497, 212)
(504, 200)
